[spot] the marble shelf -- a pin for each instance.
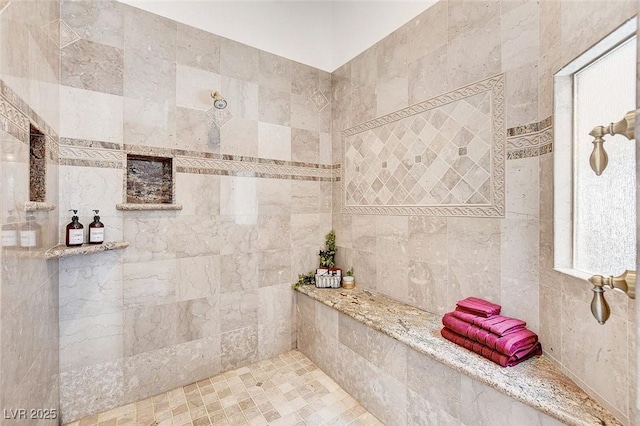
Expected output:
(62, 250)
(147, 207)
(36, 206)
(536, 382)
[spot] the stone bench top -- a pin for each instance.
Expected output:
(536, 382)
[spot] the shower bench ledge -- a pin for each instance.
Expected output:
(537, 382)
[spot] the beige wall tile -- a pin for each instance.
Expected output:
(103, 331)
(274, 196)
(240, 137)
(97, 23)
(428, 286)
(92, 66)
(149, 56)
(239, 271)
(520, 34)
(149, 283)
(194, 87)
(239, 347)
(522, 188)
(274, 320)
(274, 71)
(275, 268)
(91, 115)
(197, 48)
(198, 277)
(238, 60)
(274, 106)
(149, 327)
(482, 403)
(197, 359)
(91, 286)
(520, 249)
(149, 373)
(198, 319)
(77, 389)
(274, 141)
(305, 145)
(428, 75)
(237, 310)
(149, 123)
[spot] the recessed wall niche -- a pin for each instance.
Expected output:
(37, 165)
(149, 179)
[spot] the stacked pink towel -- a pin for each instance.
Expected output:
(495, 356)
(496, 324)
(479, 307)
(476, 325)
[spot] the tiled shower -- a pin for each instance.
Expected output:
(205, 288)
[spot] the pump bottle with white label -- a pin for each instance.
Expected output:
(75, 231)
(30, 233)
(96, 230)
(10, 232)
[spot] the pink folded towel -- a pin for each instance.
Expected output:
(509, 344)
(476, 306)
(496, 324)
(524, 353)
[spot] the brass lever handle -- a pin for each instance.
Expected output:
(625, 282)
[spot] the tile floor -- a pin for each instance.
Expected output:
(286, 390)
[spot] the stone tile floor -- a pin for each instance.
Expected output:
(285, 390)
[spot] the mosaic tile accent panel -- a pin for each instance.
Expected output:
(284, 390)
(441, 157)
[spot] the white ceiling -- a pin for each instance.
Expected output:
(324, 34)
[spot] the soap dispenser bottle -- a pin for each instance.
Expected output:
(96, 230)
(30, 233)
(10, 232)
(75, 231)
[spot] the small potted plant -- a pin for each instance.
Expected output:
(327, 275)
(348, 281)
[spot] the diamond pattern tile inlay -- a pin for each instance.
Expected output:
(444, 156)
(319, 100)
(220, 116)
(67, 35)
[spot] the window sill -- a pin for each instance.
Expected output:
(581, 275)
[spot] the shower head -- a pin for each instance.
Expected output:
(218, 101)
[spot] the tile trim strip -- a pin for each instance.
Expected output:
(29, 114)
(531, 144)
(88, 153)
(530, 128)
(16, 117)
(494, 85)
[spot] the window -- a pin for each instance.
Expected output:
(595, 216)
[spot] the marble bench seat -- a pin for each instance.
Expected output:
(418, 377)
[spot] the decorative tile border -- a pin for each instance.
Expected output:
(18, 103)
(88, 153)
(495, 208)
(16, 116)
(530, 128)
(531, 144)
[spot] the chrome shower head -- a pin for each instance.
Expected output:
(218, 101)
